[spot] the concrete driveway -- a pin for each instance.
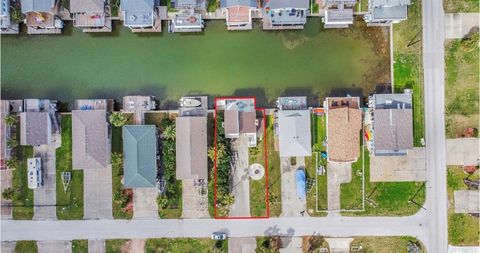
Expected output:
(194, 199)
(6, 207)
(457, 25)
(463, 151)
(54, 246)
(466, 201)
(291, 245)
(399, 168)
(241, 180)
(8, 247)
(96, 246)
(97, 193)
(292, 206)
(45, 198)
(242, 244)
(338, 173)
(145, 203)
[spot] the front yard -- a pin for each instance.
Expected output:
(79, 246)
(456, 6)
(192, 245)
(23, 197)
(69, 203)
(26, 246)
(463, 229)
(397, 244)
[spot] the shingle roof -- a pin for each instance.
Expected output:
(90, 142)
(276, 4)
(239, 122)
(87, 6)
(343, 134)
(191, 138)
(35, 128)
(230, 3)
(140, 155)
(393, 129)
(37, 5)
(294, 133)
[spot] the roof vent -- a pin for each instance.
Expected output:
(133, 18)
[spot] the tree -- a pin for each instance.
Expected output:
(162, 201)
(12, 163)
(227, 199)
(12, 143)
(117, 162)
(118, 119)
(8, 193)
(10, 120)
(314, 243)
(121, 198)
(169, 132)
(16, 15)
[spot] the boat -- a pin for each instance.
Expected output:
(190, 102)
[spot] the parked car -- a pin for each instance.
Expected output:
(219, 236)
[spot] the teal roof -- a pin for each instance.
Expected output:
(139, 152)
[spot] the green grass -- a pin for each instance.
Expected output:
(408, 73)
(463, 229)
(456, 6)
(462, 90)
(212, 5)
(351, 193)
(70, 203)
(181, 245)
(79, 246)
(23, 198)
(274, 172)
(26, 247)
(385, 244)
(114, 246)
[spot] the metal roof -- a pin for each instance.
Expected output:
(79, 6)
(140, 155)
(231, 3)
(277, 4)
(389, 3)
(393, 101)
(294, 133)
(137, 12)
(37, 5)
(191, 140)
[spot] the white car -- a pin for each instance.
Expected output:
(219, 236)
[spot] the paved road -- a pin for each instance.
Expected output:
(434, 81)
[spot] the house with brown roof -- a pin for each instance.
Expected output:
(191, 147)
(392, 124)
(241, 119)
(91, 143)
(41, 17)
(91, 15)
(344, 125)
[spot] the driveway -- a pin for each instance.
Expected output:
(291, 245)
(54, 246)
(96, 246)
(338, 173)
(463, 151)
(8, 247)
(292, 206)
(45, 198)
(97, 193)
(466, 201)
(194, 199)
(399, 168)
(339, 245)
(242, 244)
(145, 203)
(457, 25)
(241, 180)
(6, 181)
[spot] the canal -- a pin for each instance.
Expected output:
(215, 62)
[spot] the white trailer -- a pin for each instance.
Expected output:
(35, 180)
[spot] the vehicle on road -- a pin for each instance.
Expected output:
(219, 236)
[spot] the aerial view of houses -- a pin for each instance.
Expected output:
(239, 126)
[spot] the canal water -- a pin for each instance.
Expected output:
(215, 62)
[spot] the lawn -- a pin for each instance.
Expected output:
(463, 229)
(23, 197)
(180, 245)
(351, 194)
(386, 244)
(114, 246)
(79, 246)
(462, 90)
(274, 172)
(456, 6)
(69, 203)
(26, 247)
(408, 73)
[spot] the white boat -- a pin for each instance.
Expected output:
(190, 102)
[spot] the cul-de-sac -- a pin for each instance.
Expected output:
(239, 126)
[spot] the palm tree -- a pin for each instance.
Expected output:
(11, 163)
(169, 132)
(118, 119)
(12, 143)
(227, 200)
(10, 120)
(8, 193)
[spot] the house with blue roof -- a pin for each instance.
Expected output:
(339, 13)
(41, 17)
(285, 14)
(239, 13)
(386, 12)
(140, 156)
(141, 15)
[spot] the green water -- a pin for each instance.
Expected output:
(215, 62)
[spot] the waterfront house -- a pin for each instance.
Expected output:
(191, 147)
(294, 134)
(140, 156)
(40, 17)
(238, 13)
(392, 124)
(91, 15)
(91, 145)
(344, 125)
(187, 17)
(35, 128)
(141, 15)
(241, 120)
(339, 13)
(386, 12)
(285, 14)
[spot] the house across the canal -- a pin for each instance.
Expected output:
(41, 17)
(285, 14)
(141, 15)
(238, 13)
(91, 15)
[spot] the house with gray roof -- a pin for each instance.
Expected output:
(285, 14)
(187, 17)
(40, 17)
(191, 147)
(241, 119)
(238, 13)
(338, 13)
(392, 124)
(385, 12)
(294, 133)
(35, 128)
(91, 145)
(91, 15)
(140, 15)
(140, 156)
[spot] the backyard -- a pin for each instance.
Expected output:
(180, 245)
(69, 202)
(396, 244)
(462, 90)
(463, 229)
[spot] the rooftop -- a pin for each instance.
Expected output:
(87, 6)
(393, 101)
(232, 3)
(35, 128)
(278, 4)
(137, 13)
(393, 130)
(191, 145)
(294, 133)
(292, 103)
(37, 5)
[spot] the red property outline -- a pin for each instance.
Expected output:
(215, 162)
